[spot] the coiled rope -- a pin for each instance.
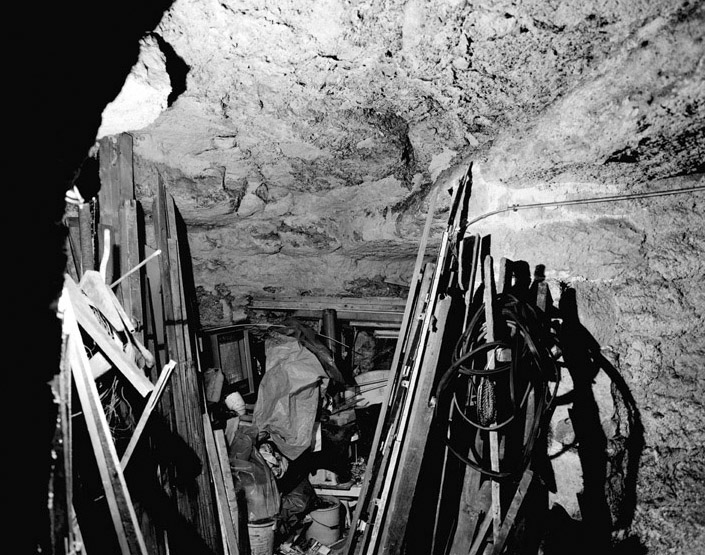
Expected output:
(530, 359)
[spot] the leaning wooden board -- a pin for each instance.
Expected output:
(388, 447)
(128, 533)
(196, 503)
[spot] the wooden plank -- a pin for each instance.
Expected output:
(416, 437)
(489, 294)
(100, 295)
(171, 332)
(129, 290)
(512, 512)
(122, 512)
(504, 280)
(107, 344)
(105, 299)
(395, 392)
(348, 304)
(227, 525)
(147, 411)
(85, 233)
(474, 263)
(230, 491)
(480, 538)
(411, 372)
(461, 531)
(473, 502)
(115, 170)
(196, 503)
(73, 245)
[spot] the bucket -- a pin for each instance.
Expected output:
(325, 526)
(261, 537)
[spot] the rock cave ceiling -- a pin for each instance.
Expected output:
(301, 139)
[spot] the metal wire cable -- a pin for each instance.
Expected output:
(593, 200)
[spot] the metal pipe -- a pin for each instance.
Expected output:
(593, 200)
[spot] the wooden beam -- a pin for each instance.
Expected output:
(230, 491)
(481, 533)
(489, 293)
(195, 502)
(506, 272)
(377, 309)
(85, 235)
(227, 526)
(115, 170)
(147, 411)
(415, 438)
(348, 304)
(130, 288)
(512, 511)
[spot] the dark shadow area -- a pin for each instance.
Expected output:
(159, 451)
(79, 57)
(547, 341)
(609, 464)
(176, 67)
(167, 451)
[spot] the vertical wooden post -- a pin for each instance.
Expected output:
(85, 233)
(116, 186)
(197, 503)
(129, 291)
(494, 440)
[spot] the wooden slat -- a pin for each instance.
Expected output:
(480, 538)
(415, 439)
(471, 507)
(147, 411)
(85, 234)
(122, 512)
(512, 512)
(196, 503)
(489, 295)
(227, 526)
(100, 295)
(129, 291)
(116, 185)
(230, 490)
(116, 176)
(172, 333)
(504, 280)
(379, 317)
(349, 304)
